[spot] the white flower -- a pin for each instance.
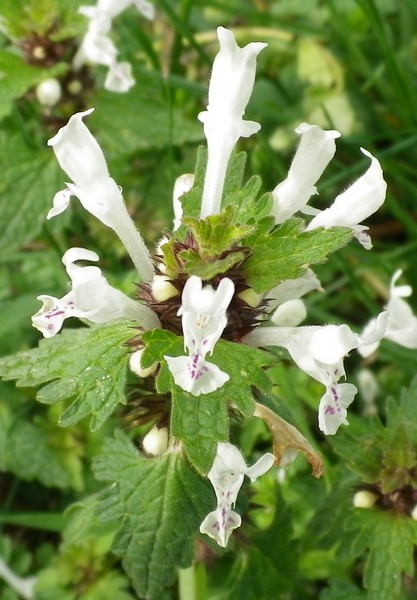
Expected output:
(49, 92)
(402, 323)
(183, 184)
(231, 84)
(319, 351)
(226, 476)
(290, 311)
(196, 375)
(316, 149)
(80, 156)
(203, 312)
(112, 8)
(23, 586)
(98, 48)
(91, 298)
(292, 289)
(364, 197)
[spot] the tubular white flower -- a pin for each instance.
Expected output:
(203, 312)
(119, 77)
(98, 48)
(112, 8)
(231, 84)
(23, 586)
(364, 197)
(290, 313)
(91, 298)
(401, 324)
(80, 156)
(333, 405)
(319, 352)
(292, 289)
(196, 375)
(316, 149)
(183, 184)
(226, 477)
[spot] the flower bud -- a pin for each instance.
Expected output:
(414, 513)
(155, 441)
(136, 365)
(364, 499)
(250, 297)
(290, 314)
(74, 87)
(49, 92)
(162, 289)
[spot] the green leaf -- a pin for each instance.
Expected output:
(160, 504)
(92, 380)
(217, 233)
(249, 208)
(22, 440)
(194, 264)
(391, 539)
(202, 421)
(30, 178)
(246, 367)
(17, 77)
(285, 252)
(268, 566)
(124, 129)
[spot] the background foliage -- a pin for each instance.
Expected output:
(345, 64)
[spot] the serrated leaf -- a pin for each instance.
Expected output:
(124, 129)
(202, 421)
(92, 380)
(391, 539)
(267, 567)
(285, 252)
(30, 178)
(217, 233)
(194, 264)
(25, 451)
(17, 77)
(161, 503)
(245, 201)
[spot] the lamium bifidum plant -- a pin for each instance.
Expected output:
(200, 331)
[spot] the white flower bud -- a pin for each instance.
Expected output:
(162, 289)
(414, 513)
(74, 87)
(290, 314)
(364, 499)
(135, 364)
(155, 441)
(49, 92)
(250, 297)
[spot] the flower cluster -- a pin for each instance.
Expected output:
(97, 47)
(203, 306)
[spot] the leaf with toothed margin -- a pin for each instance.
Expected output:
(285, 251)
(202, 421)
(86, 367)
(159, 504)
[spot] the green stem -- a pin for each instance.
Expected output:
(192, 583)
